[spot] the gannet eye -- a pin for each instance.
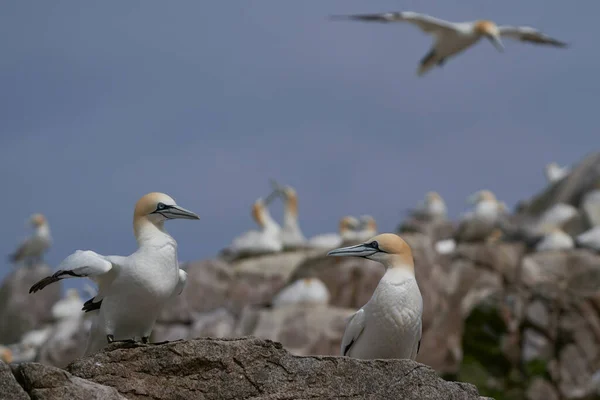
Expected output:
(161, 206)
(374, 245)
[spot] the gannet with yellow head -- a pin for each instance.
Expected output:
(367, 228)
(478, 224)
(306, 291)
(291, 234)
(433, 207)
(132, 289)
(32, 249)
(452, 38)
(390, 324)
(347, 232)
(267, 240)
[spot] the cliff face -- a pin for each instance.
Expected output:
(245, 368)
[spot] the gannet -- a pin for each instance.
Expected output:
(431, 208)
(367, 228)
(452, 38)
(32, 249)
(589, 239)
(132, 289)
(556, 216)
(591, 204)
(390, 324)
(555, 172)
(6, 354)
(291, 234)
(307, 291)
(347, 233)
(68, 307)
(555, 239)
(478, 224)
(267, 240)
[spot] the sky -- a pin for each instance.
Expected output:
(103, 102)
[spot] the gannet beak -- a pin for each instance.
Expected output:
(496, 42)
(176, 212)
(360, 250)
(271, 196)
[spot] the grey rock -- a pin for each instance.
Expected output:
(9, 387)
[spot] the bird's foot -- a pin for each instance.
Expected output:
(111, 339)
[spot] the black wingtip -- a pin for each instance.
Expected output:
(90, 305)
(43, 283)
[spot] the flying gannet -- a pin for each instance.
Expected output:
(307, 291)
(367, 228)
(555, 172)
(132, 289)
(452, 38)
(390, 324)
(267, 240)
(432, 207)
(32, 249)
(291, 234)
(347, 233)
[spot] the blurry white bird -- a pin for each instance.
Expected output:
(451, 38)
(367, 228)
(478, 224)
(347, 233)
(267, 240)
(32, 249)
(131, 290)
(445, 246)
(432, 207)
(591, 204)
(555, 239)
(590, 239)
(555, 172)
(390, 324)
(556, 216)
(291, 234)
(307, 291)
(69, 306)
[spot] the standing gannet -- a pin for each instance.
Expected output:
(68, 307)
(367, 228)
(555, 172)
(267, 240)
(390, 324)
(307, 291)
(432, 207)
(451, 38)
(291, 234)
(347, 233)
(133, 289)
(555, 239)
(478, 224)
(32, 249)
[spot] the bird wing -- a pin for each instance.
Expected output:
(181, 283)
(426, 23)
(355, 326)
(529, 34)
(80, 264)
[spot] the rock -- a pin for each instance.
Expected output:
(21, 311)
(250, 368)
(9, 387)
(43, 382)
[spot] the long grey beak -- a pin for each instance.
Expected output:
(176, 212)
(496, 42)
(359, 250)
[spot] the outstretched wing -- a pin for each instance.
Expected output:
(80, 264)
(426, 23)
(529, 34)
(355, 326)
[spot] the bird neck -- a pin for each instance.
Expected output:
(399, 262)
(268, 223)
(399, 273)
(148, 232)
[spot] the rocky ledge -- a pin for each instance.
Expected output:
(244, 368)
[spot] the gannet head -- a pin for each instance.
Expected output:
(6, 355)
(389, 249)
(482, 195)
(37, 220)
(157, 208)
(347, 223)
(433, 197)
(490, 30)
(258, 212)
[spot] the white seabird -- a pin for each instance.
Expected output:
(555, 172)
(32, 249)
(589, 239)
(132, 289)
(367, 228)
(291, 234)
(478, 224)
(69, 306)
(452, 38)
(432, 207)
(556, 216)
(267, 240)
(347, 233)
(390, 324)
(555, 239)
(307, 291)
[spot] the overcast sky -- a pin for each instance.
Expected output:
(102, 102)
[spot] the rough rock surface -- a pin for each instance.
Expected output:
(9, 387)
(20, 311)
